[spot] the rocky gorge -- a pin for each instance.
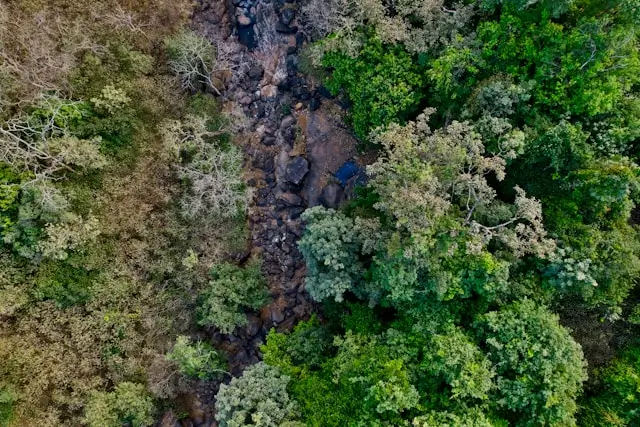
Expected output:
(294, 142)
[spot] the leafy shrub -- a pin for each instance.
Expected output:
(7, 397)
(199, 360)
(539, 367)
(258, 398)
(330, 246)
(618, 399)
(211, 168)
(64, 282)
(128, 403)
(231, 290)
(382, 82)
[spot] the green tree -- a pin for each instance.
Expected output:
(460, 362)
(128, 403)
(382, 82)
(330, 246)
(617, 400)
(258, 398)
(231, 290)
(197, 360)
(539, 367)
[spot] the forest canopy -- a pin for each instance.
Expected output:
(470, 277)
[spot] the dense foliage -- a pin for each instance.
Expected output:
(503, 189)
(495, 234)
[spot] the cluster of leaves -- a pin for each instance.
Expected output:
(258, 398)
(514, 189)
(128, 403)
(382, 82)
(397, 372)
(232, 289)
(199, 360)
(87, 227)
(618, 397)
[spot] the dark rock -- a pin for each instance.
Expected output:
(287, 122)
(297, 169)
(285, 29)
(295, 81)
(291, 50)
(299, 39)
(295, 213)
(254, 326)
(289, 135)
(324, 92)
(257, 110)
(292, 65)
(264, 161)
(268, 140)
(314, 104)
(287, 16)
(332, 196)
(284, 85)
(290, 199)
(247, 36)
(301, 92)
(287, 325)
(256, 72)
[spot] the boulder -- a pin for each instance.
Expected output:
(287, 16)
(256, 72)
(269, 91)
(269, 140)
(244, 20)
(297, 169)
(285, 29)
(314, 104)
(290, 199)
(332, 195)
(287, 122)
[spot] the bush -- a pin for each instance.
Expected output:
(199, 360)
(618, 400)
(7, 397)
(231, 290)
(382, 82)
(192, 58)
(211, 168)
(539, 367)
(258, 398)
(128, 403)
(330, 247)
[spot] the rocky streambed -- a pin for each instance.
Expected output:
(294, 143)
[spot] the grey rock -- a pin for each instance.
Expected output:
(297, 169)
(285, 29)
(287, 122)
(277, 316)
(332, 195)
(314, 104)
